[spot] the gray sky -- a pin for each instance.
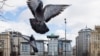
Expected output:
(80, 14)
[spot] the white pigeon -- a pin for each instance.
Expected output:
(43, 15)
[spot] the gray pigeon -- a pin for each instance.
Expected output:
(31, 40)
(43, 15)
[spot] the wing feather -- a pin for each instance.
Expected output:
(33, 4)
(51, 11)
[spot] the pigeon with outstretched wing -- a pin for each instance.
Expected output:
(31, 40)
(33, 43)
(43, 15)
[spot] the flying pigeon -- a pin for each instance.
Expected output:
(31, 40)
(33, 43)
(43, 15)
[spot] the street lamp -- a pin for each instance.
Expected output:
(65, 36)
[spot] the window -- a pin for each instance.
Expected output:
(25, 47)
(67, 48)
(40, 46)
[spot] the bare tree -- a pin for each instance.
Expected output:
(2, 3)
(1, 9)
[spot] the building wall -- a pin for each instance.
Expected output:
(53, 47)
(74, 51)
(24, 48)
(40, 46)
(77, 46)
(57, 47)
(14, 44)
(82, 42)
(5, 37)
(67, 50)
(95, 42)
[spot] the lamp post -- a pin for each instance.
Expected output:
(65, 36)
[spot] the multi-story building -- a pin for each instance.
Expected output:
(7, 49)
(82, 42)
(59, 47)
(64, 47)
(53, 45)
(41, 47)
(94, 48)
(77, 46)
(5, 44)
(23, 47)
(12, 43)
(74, 51)
(16, 42)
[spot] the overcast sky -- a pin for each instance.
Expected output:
(79, 14)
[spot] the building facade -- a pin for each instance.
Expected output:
(53, 45)
(59, 47)
(24, 48)
(74, 51)
(82, 42)
(12, 43)
(64, 47)
(5, 44)
(41, 47)
(94, 48)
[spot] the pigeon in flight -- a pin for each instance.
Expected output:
(43, 15)
(31, 40)
(33, 43)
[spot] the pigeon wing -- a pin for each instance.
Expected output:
(33, 4)
(51, 11)
(25, 38)
(33, 43)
